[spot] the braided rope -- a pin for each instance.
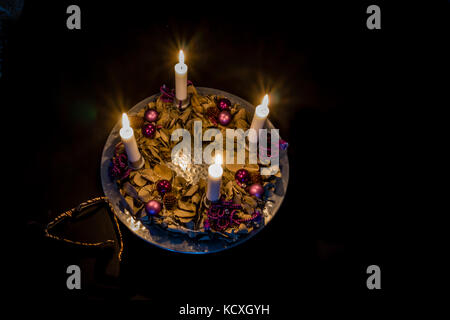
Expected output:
(69, 214)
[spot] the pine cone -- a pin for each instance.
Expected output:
(255, 177)
(136, 122)
(212, 112)
(170, 200)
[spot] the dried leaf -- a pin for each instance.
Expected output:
(241, 124)
(193, 189)
(185, 220)
(164, 119)
(130, 190)
(186, 206)
(192, 90)
(184, 214)
(185, 116)
(238, 188)
(250, 201)
(252, 167)
(229, 189)
(241, 114)
(196, 198)
(164, 136)
(249, 209)
(149, 175)
(139, 180)
(198, 109)
(195, 101)
(130, 202)
(150, 142)
(172, 123)
(163, 171)
(179, 181)
(155, 153)
(160, 105)
(242, 228)
(233, 167)
(202, 183)
(145, 194)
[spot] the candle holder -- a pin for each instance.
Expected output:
(137, 164)
(182, 104)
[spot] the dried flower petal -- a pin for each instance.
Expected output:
(193, 189)
(163, 171)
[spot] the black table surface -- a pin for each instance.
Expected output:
(331, 82)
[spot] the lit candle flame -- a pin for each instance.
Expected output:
(125, 121)
(263, 110)
(215, 170)
(265, 101)
(181, 57)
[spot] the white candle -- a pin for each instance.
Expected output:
(215, 173)
(181, 78)
(260, 116)
(129, 141)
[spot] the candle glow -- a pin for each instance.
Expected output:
(181, 70)
(215, 170)
(126, 132)
(263, 110)
(125, 121)
(181, 57)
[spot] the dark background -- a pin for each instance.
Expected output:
(334, 89)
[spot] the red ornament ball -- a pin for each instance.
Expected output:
(153, 207)
(163, 186)
(149, 130)
(223, 104)
(224, 118)
(151, 115)
(242, 176)
(256, 190)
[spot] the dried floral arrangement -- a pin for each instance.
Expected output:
(171, 195)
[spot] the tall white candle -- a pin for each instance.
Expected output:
(181, 78)
(260, 116)
(129, 141)
(215, 173)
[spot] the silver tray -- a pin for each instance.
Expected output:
(180, 242)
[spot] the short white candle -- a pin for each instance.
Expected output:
(260, 116)
(181, 78)
(129, 141)
(215, 173)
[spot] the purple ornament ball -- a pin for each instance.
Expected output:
(224, 118)
(223, 104)
(242, 176)
(153, 207)
(151, 115)
(256, 190)
(163, 186)
(149, 130)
